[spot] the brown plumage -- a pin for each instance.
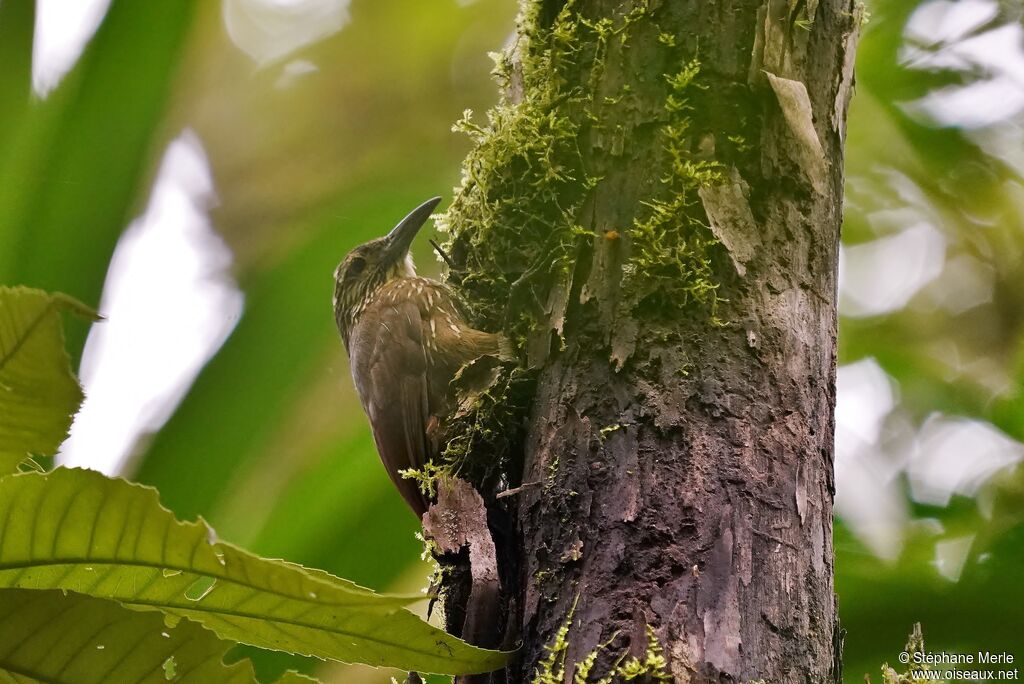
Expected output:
(406, 337)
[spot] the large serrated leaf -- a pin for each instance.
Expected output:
(80, 531)
(38, 392)
(48, 636)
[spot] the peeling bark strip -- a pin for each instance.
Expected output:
(660, 190)
(458, 520)
(729, 216)
(796, 108)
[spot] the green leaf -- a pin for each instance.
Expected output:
(80, 531)
(48, 636)
(38, 392)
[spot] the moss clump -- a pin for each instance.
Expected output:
(653, 667)
(915, 645)
(511, 223)
(670, 262)
(483, 436)
(492, 399)
(516, 221)
(426, 477)
(429, 555)
(551, 670)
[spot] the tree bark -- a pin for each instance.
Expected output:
(672, 283)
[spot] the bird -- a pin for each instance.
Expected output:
(406, 337)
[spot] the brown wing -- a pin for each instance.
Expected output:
(389, 367)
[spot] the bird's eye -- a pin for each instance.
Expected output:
(357, 266)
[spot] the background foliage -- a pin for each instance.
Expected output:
(326, 146)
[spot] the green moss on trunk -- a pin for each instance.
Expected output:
(519, 221)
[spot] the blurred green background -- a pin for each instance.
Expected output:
(295, 129)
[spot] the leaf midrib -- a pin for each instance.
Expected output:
(295, 623)
(24, 565)
(200, 608)
(28, 332)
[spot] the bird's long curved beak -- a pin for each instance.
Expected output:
(401, 236)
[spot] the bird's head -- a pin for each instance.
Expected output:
(372, 264)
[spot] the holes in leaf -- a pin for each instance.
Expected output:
(170, 669)
(199, 589)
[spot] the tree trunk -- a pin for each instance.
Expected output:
(653, 215)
